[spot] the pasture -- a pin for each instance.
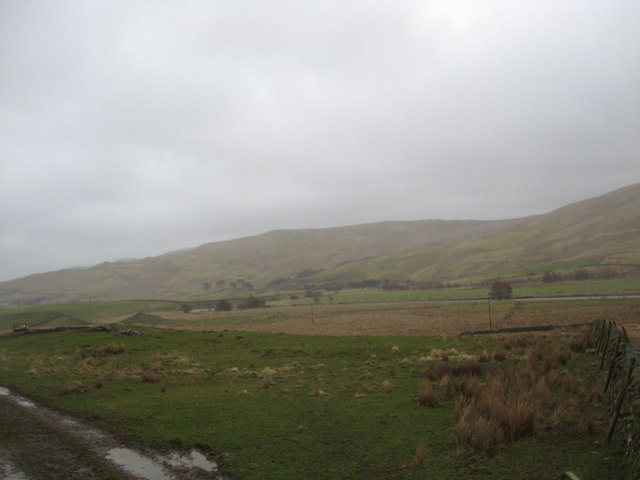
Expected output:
(341, 391)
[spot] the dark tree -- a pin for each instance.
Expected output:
(500, 290)
(223, 306)
(253, 302)
(206, 286)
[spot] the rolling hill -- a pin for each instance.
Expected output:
(603, 231)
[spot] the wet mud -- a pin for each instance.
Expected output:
(39, 443)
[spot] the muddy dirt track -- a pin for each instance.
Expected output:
(38, 443)
(33, 449)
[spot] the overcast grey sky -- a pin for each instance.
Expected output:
(133, 128)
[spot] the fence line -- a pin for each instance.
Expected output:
(619, 358)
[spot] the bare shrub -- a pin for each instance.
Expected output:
(428, 396)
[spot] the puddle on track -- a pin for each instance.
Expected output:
(135, 463)
(194, 459)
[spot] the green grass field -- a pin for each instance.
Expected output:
(78, 313)
(275, 406)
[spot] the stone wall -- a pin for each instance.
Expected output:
(620, 363)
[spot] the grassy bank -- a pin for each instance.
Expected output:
(273, 406)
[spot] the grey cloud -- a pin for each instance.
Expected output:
(133, 128)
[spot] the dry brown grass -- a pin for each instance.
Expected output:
(150, 376)
(72, 387)
(499, 355)
(476, 433)
(387, 386)
(428, 396)
(504, 409)
(401, 319)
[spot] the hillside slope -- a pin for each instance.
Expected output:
(604, 229)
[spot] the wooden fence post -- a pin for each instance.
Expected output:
(606, 344)
(613, 363)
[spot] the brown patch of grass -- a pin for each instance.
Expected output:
(519, 342)
(596, 396)
(509, 402)
(91, 362)
(113, 349)
(476, 433)
(547, 356)
(436, 372)
(499, 355)
(565, 412)
(72, 387)
(149, 373)
(428, 396)
(467, 369)
(150, 376)
(318, 393)
(467, 387)
(387, 386)
(588, 423)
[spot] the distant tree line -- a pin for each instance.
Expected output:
(580, 274)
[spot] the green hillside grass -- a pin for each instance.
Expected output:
(603, 230)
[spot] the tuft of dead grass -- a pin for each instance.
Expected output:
(428, 396)
(509, 401)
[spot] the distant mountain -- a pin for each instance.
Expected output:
(599, 231)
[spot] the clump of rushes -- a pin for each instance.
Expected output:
(267, 377)
(436, 372)
(476, 433)
(548, 356)
(428, 396)
(149, 373)
(510, 401)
